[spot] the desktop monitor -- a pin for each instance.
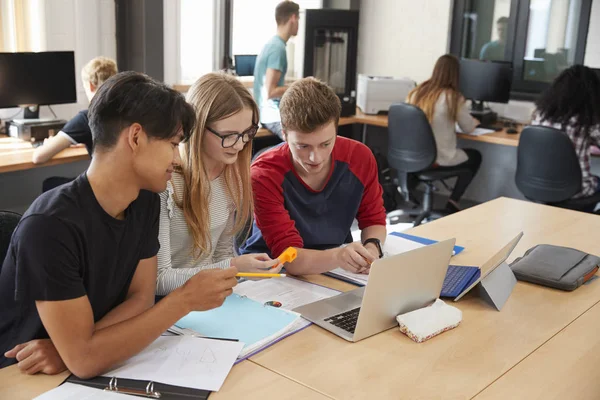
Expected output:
(34, 79)
(486, 80)
(244, 64)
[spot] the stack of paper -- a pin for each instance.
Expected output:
(184, 361)
(255, 324)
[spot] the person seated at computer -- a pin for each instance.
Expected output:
(572, 104)
(208, 200)
(78, 282)
(271, 67)
(444, 106)
(309, 190)
(77, 130)
(494, 50)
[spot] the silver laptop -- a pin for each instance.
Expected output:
(397, 284)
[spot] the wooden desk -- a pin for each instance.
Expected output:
(246, 381)
(460, 363)
(15, 155)
(566, 367)
(500, 137)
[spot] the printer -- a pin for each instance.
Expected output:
(375, 94)
(34, 130)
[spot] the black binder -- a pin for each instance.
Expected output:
(150, 390)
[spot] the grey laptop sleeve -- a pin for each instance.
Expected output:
(554, 266)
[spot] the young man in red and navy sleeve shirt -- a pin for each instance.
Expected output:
(309, 190)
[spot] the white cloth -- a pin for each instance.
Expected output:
(444, 131)
(425, 323)
(176, 263)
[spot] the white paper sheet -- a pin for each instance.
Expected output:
(72, 391)
(476, 132)
(186, 361)
(393, 245)
(288, 292)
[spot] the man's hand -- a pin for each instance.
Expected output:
(37, 356)
(208, 288)
(355, 258)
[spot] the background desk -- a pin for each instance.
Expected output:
(21, 179)
(463, 362)
(16, 155)
(246, 381)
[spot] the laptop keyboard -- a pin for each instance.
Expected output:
(346, 320)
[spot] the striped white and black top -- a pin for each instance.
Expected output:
(176, 263)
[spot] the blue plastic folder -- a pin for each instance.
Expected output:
(422, 240)
(240, 318)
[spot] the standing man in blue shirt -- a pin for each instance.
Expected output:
(271, 67)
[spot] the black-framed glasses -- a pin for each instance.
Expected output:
(231, 139)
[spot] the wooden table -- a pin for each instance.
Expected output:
(500, 137)
(566, 367)
(543, 344)
(246, 381)
(16, 155)
(463, 362)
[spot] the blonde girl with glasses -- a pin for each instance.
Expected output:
(208, 200)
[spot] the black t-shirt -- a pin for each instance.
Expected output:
(78, 128)
(66, 246)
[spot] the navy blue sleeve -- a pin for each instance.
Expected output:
(152, 245)
(46, 253)
(78, 128)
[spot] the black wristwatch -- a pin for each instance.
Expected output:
(377, 244)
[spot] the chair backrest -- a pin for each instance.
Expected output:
(548, 170)
(411, 146)
(8, 223)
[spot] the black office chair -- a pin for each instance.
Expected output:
(8, 223)
(412, 153)
(548, 170)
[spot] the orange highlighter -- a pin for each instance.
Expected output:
(287, 256)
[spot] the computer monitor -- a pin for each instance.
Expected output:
(34, 79)
(486, 80)
(244, 64)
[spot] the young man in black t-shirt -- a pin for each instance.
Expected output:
(77, 285)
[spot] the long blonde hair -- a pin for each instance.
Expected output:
(443, 80)
(214, 96)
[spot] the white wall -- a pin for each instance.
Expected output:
(88, 28)
(84, 26)
(402, 38)
(592, 50)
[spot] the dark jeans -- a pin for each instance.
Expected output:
(471, 167)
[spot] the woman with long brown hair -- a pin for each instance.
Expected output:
(444, 106)
(209, 198)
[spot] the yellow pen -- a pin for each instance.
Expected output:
(258, 275)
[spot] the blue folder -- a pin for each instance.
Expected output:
(239, 318)
(422, 240)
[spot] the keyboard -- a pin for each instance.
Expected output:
(458, 278)
(346, 320)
